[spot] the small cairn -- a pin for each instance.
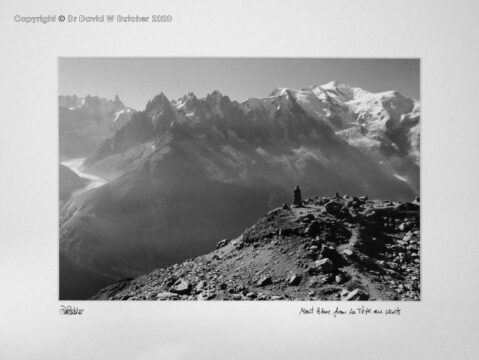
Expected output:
(297, 202)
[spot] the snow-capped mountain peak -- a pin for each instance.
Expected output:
(384, 125)
(279, 91)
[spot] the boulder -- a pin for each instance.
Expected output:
(323, 265)
(262, 296)
(265, 280)
(313, 229)
(167, 296)
(222, 286)
(315, 281)
(183, 287)
(201, 285)
(332, 254)
(348, 252)
(333, 207)
(405, 226)
(206, 295)
(294, 280)
(222, 243)
(307, 218)
(356, 294)
(407, 206)
(238, 244)
(341, 278)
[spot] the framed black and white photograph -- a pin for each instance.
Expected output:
(238, 180)
(308, 193)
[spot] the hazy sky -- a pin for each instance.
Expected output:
(136, 80)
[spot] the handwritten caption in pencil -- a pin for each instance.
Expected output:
(337, 311)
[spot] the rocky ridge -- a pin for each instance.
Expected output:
(340, 248)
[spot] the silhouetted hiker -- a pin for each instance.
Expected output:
(297, 196)
(337, 195)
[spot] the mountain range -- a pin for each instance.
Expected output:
(85, 122)
(183, 174)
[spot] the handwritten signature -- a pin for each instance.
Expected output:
(71, 310)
